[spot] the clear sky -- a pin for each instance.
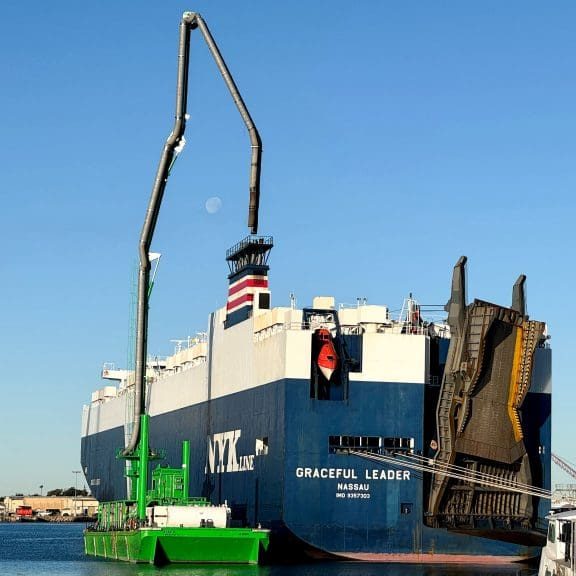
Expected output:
(397, 137)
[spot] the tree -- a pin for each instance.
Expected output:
(71, 491)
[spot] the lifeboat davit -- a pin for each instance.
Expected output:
(327, 358)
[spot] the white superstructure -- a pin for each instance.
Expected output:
(272, 345)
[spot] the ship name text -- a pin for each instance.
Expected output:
(351, 474)
(346, 473)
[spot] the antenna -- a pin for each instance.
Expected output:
(179, 342)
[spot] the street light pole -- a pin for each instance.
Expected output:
(75, 472)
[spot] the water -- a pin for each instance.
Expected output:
(32, 549)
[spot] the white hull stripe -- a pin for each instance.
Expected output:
(237, 303)
(250, 280)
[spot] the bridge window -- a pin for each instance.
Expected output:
(398, 444)
(338, 444)
(374, 444)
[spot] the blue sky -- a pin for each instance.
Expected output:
(397, 137)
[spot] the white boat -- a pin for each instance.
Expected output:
(558, 555)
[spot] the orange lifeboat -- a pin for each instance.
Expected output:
(327, 358)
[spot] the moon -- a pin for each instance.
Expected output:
(213, 205)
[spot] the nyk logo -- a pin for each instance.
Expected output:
(222, 456)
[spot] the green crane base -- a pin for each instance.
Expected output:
(179, 545)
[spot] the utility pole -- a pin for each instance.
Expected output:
(75, 472)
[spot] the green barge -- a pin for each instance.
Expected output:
(178, 545)
(163, 525)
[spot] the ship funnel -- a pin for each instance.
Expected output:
(248, 279)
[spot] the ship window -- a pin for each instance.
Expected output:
(264, 301)
(406, 508)
(398, 444)
(262, 446)
(343, 444)
(551, 532)
(565, 533)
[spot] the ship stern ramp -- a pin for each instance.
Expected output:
(485, 416)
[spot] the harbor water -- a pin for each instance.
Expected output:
(44, 549)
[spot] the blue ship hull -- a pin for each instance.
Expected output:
(266, 452)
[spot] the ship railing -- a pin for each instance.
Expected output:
(251, 242)
(114, 516)
(183, 367)
(277, 327)
(352, 329)
(159, 375)
(269, 331)
(413, 329)
(349, 306)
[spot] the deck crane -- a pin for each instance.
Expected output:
(561, 463)
(564, 493)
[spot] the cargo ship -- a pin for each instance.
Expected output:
(282, 444)
(348, 432)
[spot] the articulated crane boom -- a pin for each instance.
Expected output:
(190, 21)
